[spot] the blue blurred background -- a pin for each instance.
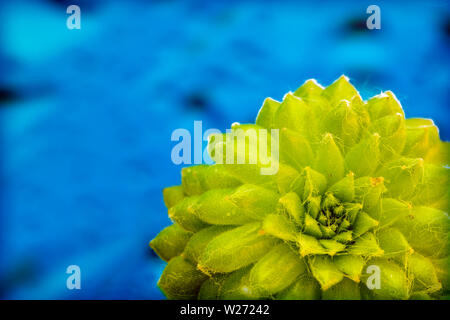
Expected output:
(87, 115)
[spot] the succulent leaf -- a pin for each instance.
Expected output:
(235, 249)
(170, 242)
(274, 272)
(305, 288)
(344, 290)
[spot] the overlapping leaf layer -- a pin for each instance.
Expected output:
(357, 185)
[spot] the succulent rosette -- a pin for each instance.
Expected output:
(359, 189)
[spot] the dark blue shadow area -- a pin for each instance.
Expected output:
(87, 115)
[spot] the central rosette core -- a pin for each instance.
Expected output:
(328, 216)
(333, 214)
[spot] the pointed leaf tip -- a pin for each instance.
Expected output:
(339, 90)
(310, 88)
(329, 160)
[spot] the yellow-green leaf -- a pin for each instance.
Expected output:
(235, 249)
(277, 270)
(170, 242)
(350, 265)
(325, 271)
(344, 290)
(267, 112)
(181, 280)
(329, 160)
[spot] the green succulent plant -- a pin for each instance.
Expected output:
(358, 185)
